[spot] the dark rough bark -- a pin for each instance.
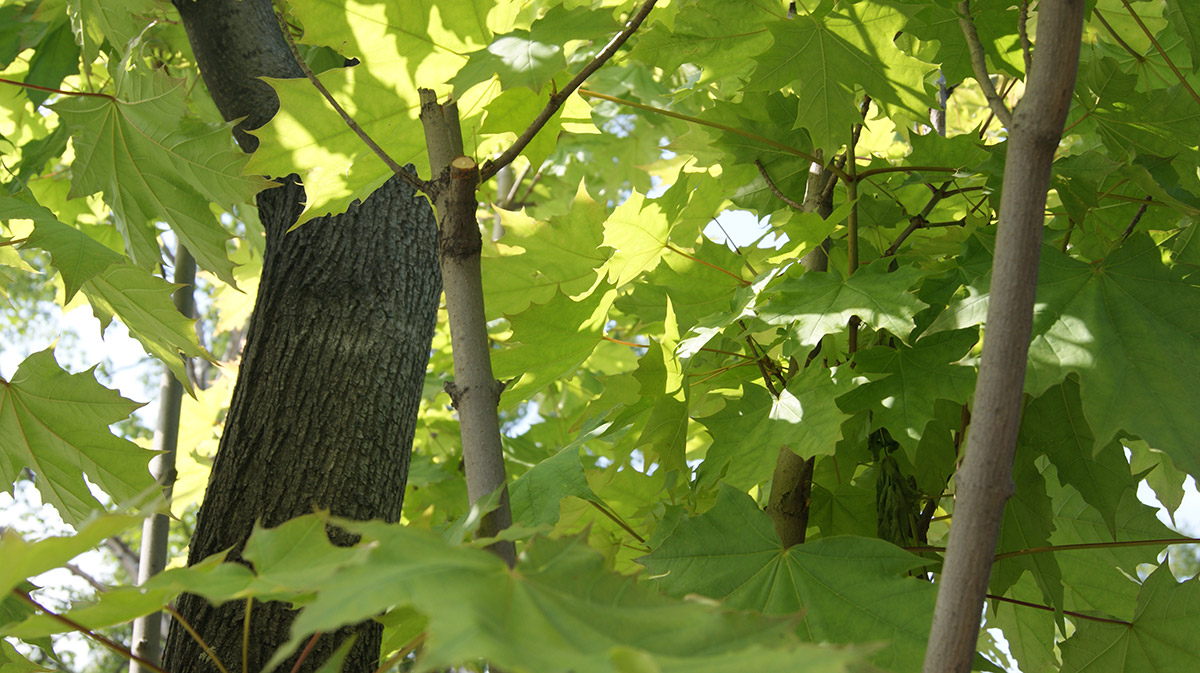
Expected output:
(326, 400)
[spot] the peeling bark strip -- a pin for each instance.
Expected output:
(326, 401)
(984, 482)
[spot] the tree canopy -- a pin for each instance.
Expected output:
(654, 368)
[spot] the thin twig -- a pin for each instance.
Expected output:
(979, 64)
(775, 190)
(1097, 545)
(76, 626)
(83, 575)
(852, 231)
(1069, 613)
(304, 654)
(1023, 31)
(537, 177)
(60, 92)
(396, 168)
(921, 219)
(905, 169)
(511, 197)
(762, 368)
(1139, 57)
(1136, 218)
(604, 509)
(246, 635)
(1161, 52)
(491, 167)
(196, 637)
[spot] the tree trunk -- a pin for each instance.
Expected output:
(147, 630)
(325, 406)
(791, 483)
(984, 482)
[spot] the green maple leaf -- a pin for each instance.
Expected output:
(550, 340)
(77, 256)
(516, 59)
(1054, 424)
(560, 597)
(915, 378)
(143, 303)
(1098, 580)
(849, 589)
(1161, 636)
(1028, 524)
(748, 432)
(1184, 19)
(95, 21)
(20, 559)
(720, 37)
(697, 286)
(1127, 323)
(56, 424)
(537, 494)
(822, 57)
(536, 260)
(152, 166)
(114, 288)
(816, 304)
(639, 233)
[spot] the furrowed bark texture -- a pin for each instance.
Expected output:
(327, 395)
(984, 482)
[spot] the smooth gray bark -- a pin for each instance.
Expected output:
(475, 392)
(984, 482)
(147, 630)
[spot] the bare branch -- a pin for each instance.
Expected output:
(492, 166)
(396, 168)
(775, 190)
(979, 64)
(1136, 218)
(1023, 31)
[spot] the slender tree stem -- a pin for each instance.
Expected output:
(775, 190)
(147, 630)
(852, 229)
(984, 481)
